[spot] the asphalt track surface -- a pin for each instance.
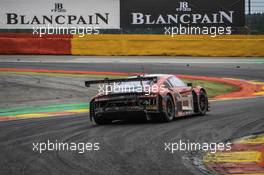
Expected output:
(129, 147)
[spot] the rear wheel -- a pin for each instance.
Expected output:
(203, 103)
(169, 112)
(102, 121)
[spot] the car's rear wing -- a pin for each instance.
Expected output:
(108, 81)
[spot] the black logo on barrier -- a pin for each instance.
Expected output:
(184, 7)
(58, 8)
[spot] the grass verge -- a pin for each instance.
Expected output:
(213, 88)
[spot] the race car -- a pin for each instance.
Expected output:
(153, 96)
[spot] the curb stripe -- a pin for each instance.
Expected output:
(45, 114)
(238, 157)
(236, 168)
(245, 157)
(252, 140)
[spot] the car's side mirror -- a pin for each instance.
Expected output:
(189, 84)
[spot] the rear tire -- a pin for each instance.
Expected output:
(203, 103)
(169, 112)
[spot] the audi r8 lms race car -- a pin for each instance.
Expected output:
(155, 96)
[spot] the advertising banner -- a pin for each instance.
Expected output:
(25, 14)
(160, 13)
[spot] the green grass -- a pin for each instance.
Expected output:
(213, 88)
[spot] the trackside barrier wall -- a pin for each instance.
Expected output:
(116, 44)
(183, 45)
(16, 43)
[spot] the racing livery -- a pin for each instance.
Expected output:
(155, 96)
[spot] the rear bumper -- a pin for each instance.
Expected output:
(126, 112)
(122, 115)
(122, 107)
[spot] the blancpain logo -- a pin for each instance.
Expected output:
(183, 15)
(220, 17)
(183, 7)
(58, 19)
